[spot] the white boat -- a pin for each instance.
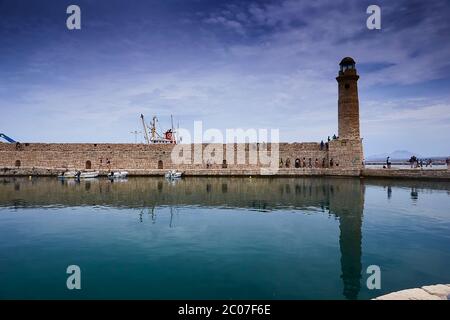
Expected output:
(117, 174)
(173, 174)
(87, 175)
(78, 175)
(68, 174)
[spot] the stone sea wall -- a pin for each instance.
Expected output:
(407, 174)
(343, 157)
(55, 156)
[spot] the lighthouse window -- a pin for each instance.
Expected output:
(347, 86)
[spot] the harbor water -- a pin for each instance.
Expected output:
(221, 238)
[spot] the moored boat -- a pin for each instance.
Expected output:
(68, 175)
(173, 174)
(78, 175)
(87, 175)
(118, 174)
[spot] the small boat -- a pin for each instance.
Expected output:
(68, 175)
(87, 175)
(78, 175)
(173, 174)
(117, 174)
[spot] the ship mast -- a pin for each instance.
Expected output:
(153, 128)
(145, 129)
(173, 132)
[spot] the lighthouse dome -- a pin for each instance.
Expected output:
(347, 61)
(347, 64)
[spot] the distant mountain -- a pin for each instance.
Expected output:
(396, 155)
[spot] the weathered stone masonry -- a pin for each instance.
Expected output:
(144, 157)
(344, 153)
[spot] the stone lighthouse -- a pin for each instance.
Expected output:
(348, 147)
(348, 103)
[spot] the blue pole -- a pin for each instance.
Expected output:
(4, 136)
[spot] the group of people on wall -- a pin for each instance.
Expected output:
(415, 162)
(325, 145)
(304, 163)
(419, 163)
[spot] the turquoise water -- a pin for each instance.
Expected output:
(221, 238)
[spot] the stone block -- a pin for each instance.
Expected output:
(409, 294)
(440, 290)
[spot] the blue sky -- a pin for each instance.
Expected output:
(231, 64)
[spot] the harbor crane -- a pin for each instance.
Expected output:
(4, 136)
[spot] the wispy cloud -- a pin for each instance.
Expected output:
(231, 64)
